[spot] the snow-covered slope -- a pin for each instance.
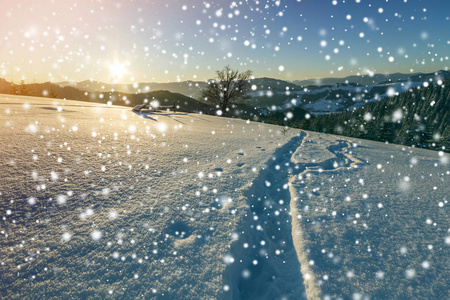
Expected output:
(97, 199)
(371, 220)
(100, 202)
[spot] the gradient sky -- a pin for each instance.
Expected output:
(143, 40)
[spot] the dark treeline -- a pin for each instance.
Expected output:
(418, 117)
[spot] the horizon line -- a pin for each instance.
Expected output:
(254, 78)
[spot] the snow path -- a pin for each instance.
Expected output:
(267, 265)
(271, 257)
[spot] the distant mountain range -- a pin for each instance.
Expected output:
(318, 96)
(268, 96)
(358, 79)
(190, 88)
(187, 88)
(71, 92)
(346, 104)
(373, 79)
(337, 97)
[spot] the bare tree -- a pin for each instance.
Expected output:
(229, 88)
(23, 89)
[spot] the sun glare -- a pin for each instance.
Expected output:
(117, 69)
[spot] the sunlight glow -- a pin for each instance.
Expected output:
(118, 69)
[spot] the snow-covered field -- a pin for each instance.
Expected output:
(371, 220)
(97, 199)
(99, 202)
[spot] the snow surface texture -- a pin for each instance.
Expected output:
(98, 201)
(101, 202)
(371, 220)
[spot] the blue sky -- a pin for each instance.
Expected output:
(137, 40)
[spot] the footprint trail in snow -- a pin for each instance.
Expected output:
(269, 258)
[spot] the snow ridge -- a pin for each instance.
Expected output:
(333, 159)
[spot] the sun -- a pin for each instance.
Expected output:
(118, 69)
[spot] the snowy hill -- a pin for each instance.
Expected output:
(100, 202)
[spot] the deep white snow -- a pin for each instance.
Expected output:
(98, 201)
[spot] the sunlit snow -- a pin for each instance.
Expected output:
(247, 211)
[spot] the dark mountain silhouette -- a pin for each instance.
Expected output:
(47, 89)
(187, 88)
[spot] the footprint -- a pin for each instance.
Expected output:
(263, 149)
(240, 153)
(216, 204)
(240, 164)
(221, 202)
(179, 230)
(218, 169)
